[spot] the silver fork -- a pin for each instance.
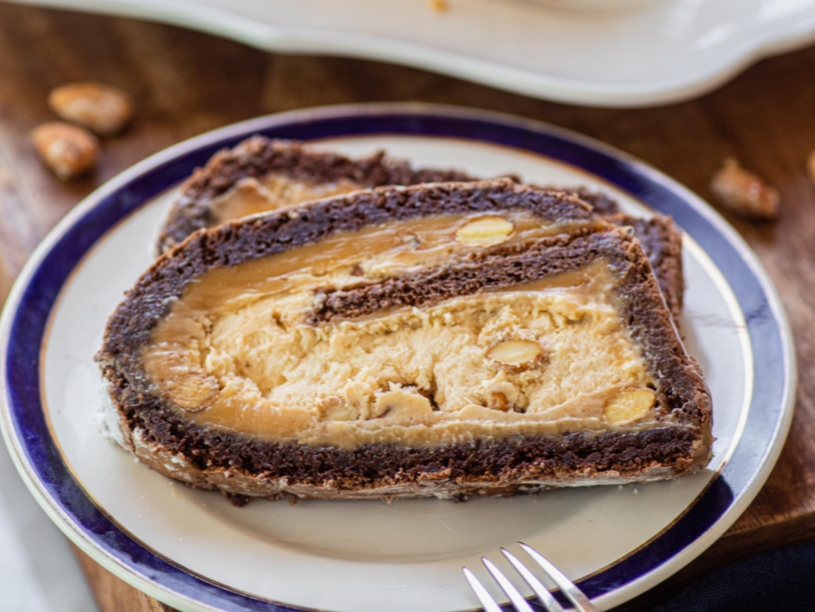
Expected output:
(575, 595)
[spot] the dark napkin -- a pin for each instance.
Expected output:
(781, 579)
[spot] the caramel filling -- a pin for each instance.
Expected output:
(252, 196)
(545, 357)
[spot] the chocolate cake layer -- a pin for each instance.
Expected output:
(232, 185)
(662, 243)
(259, 157)
(553, 264)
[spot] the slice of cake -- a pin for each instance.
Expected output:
(437, 340)
(260, 175)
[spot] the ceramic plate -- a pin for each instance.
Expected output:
(656, 51)
(195, 551)
(38, 571)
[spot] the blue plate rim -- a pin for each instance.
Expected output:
(709, 520)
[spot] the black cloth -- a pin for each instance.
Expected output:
(781, 579)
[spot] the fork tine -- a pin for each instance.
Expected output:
(514, 595)
(480, 592)
(576, 596)
(546, 598)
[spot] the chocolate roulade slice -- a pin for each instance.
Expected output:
(437, 340)
(261, 175)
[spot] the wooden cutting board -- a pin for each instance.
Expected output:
(186, 83)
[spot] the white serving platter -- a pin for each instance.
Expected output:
(647, 53)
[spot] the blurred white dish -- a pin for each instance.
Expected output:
(597, 5)
(38, 571)
(662, 51)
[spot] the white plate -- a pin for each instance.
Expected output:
(178, 543)
(38, 570)
(659, 51)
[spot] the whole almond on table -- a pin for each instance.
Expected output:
(744, 193)
(68, 150)
(103, 109)
(811, 166)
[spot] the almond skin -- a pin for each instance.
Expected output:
(499, 401)
(103, 109)
(69, 151)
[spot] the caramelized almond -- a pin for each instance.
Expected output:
(69, 151)
(516, 353)
(629, 406)
(101, 108)
(193, 392)
(485, 231)
(744, 193)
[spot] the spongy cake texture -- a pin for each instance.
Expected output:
(261, 175)
(479, 337)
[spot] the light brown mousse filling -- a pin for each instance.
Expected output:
(252, 196)
(545, 357)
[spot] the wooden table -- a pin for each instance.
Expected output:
(186, 83)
